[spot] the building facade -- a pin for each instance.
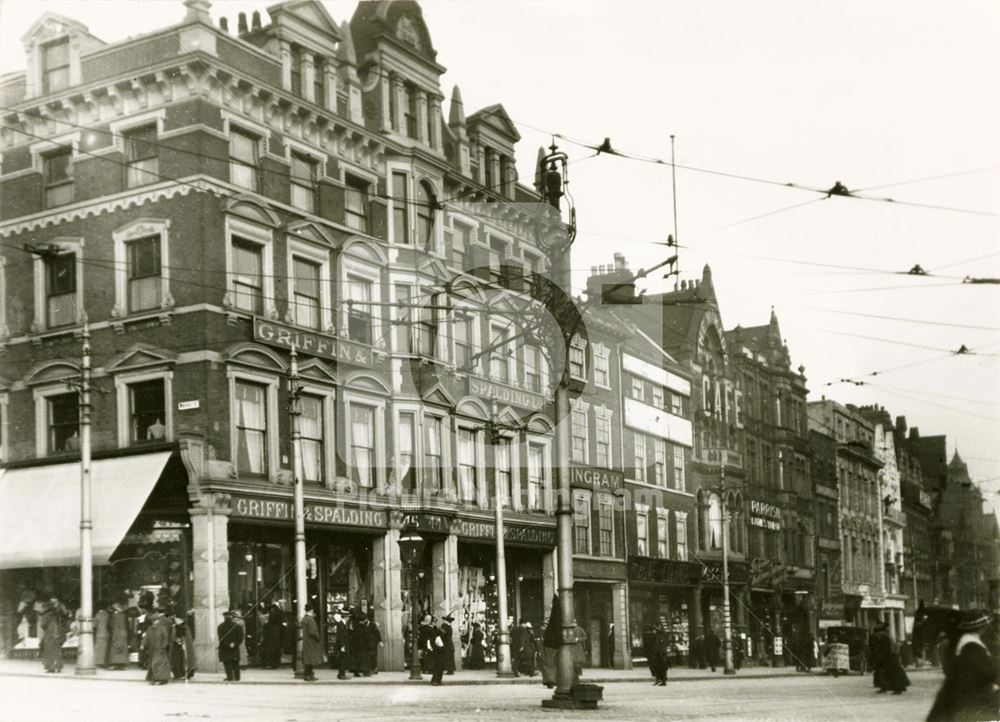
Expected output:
(208, 203)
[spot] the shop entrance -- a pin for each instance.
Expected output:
(262, 580)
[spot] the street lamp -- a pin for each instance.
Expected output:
(411, 548)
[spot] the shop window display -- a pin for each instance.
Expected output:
(670, 609)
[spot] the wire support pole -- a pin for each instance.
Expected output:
(298, 501)
(85, 652)
(677, 240)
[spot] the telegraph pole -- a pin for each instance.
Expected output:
(85, 652)
(298, 502)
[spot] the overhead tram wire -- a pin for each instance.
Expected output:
(924, 179)
(901, 320)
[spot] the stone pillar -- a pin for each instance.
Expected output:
(387, 90)
(388, 594)
(285, 51)
(622, 653)
(435, 139)
(329, 85)
(481, 160)
(308, 71)
(444, 584)
(422, 114)
(210, 568)
(694, 622)
(495, 170)
(399, 93)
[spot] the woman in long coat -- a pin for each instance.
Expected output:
(182, 657)
(238, 618)
(156, 643)
(53, 633)
(969, 690)
(102, 635)
(474, 658)
(118, 637)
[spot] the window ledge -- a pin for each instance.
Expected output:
(120, 318)
(40, 335)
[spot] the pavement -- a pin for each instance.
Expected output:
(757, 695)
(254, 675)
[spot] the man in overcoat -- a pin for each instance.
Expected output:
(156, 644)
(969, 691)
(230, 637)
(312, 644)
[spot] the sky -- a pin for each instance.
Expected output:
(889, 96)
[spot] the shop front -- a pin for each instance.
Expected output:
(711, 601)
(663, 591)
(140, 542)
(342, 567)
(528, 552)
(599, 599)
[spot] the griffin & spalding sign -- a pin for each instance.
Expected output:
(311, 343)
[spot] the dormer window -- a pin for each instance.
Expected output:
(55, 64)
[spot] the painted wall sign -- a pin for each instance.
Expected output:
(311, 343)
(188, 405)
(248, 507)
(422, 522)
(594, 478)
(594, 569)
(505, 394)
(664, 571)
(540, 535)
(764, 515)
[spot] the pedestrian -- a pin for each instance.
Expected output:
(270, 646)
(447, 636)
(698, 650)
(312, 645)
(102, 634)
(523, 648)
(712, 646)
(738, 652)
(182, 659)
(156, 643)
(360, 645)
(969, 691)
(374, 642)
(435, 653)
(475, 652)
(52, 630)
(341, 643)
(424, 634)
(230, 637)
(652, 653)
(238, 618)
(579, 652)
(551, 642)
(118, 635)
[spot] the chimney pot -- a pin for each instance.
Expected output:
(241, 23)
(224, 24)
(256, 19)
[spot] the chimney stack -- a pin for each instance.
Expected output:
(224, 24)
(256, 19)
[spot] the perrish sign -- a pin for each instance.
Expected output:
(311, 343)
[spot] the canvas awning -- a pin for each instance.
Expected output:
(40, 509)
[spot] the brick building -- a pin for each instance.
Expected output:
(206, 201)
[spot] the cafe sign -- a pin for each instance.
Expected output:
(331, 348)
(765, 516)
(594, 478)
(248, 507)
(505, 394)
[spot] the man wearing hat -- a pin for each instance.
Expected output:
(969, 691)
(887, 671)
(230, 637)
(424, 635)
(341, 645)
(447, 636)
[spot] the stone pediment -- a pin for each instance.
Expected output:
(50, 26)
(472, 407)
(255, 355)
(496, 118)
(363, 381)
(438, 394)
(141, 356)
(50, 371)
(308, 231)
(318, 371)
(306, 21)
(250, 208)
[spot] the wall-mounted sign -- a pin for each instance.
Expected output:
(311, 343)
(248, 507)
(518, 534)
(663, 571)
(505, 394)
(739, 572)
(594, 569)
(764, 515)
(594, 478)
(188, 405)
(422, 522)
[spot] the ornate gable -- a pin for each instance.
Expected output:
(316, 370)
(438, 394)
(140, 356)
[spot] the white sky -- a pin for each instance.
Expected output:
(867, 93)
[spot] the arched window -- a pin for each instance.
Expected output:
(714, 522)
(426, 200)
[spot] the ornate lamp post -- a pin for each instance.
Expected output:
(411, 549)
(727, 639)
